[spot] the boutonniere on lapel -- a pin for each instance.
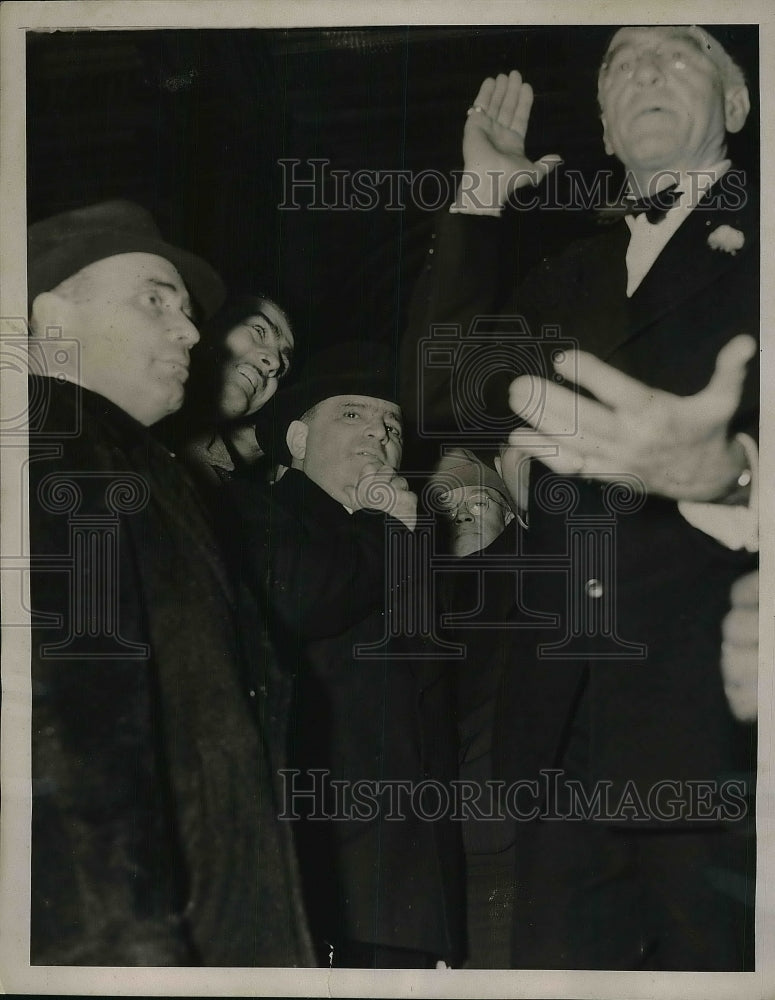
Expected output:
(726, 238)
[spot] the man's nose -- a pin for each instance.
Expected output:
(648, 69)
(268, 361)
(378, 428)
(186, 331)
(463, 515)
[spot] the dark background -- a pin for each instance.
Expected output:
(192, 124)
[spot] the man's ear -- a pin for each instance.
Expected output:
(737, 104)
(296, 439)
(49, 310)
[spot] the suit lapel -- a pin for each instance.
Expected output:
(687, 265)
(591, 286)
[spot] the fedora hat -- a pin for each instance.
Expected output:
(357, 367)
(61, 245)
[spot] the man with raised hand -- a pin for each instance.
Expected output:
(154, 841)
(623, 693)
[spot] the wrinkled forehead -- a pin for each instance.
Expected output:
(652, 36)
(129, 272)
(464, 492)
(638, 35)
(646, 37)
(277, 319)
(370, 405)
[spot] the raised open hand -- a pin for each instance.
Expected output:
(494, 157)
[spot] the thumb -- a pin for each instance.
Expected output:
(727, 380)
(546, 164)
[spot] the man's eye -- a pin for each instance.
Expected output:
(351, 413)
(395, 431)
(257, 328)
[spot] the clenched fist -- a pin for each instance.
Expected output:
(380, 487)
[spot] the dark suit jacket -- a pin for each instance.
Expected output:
(325, 575)
(663, 716)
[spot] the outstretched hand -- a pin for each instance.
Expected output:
(494, 157)
(678, 446)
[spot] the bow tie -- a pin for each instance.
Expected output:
(654, 208)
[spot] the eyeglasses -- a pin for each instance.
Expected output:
(477, 505)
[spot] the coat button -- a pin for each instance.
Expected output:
(593, 588)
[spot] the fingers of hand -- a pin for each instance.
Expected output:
(485, 94)
(741, 627)
(739, 670)
(745, 590)
(565, 457)
(555, 410)
(511, 99)
(742, 698)
(371, 469)
(726, 383)
(608, 384)
(523, 107)
(498, 94)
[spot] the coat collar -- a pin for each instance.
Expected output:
(300, 494)
(688, 263)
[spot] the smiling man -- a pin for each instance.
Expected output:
(329, 548)
(257, 351)
(626, 690)
(150, 845)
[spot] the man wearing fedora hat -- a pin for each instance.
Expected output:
(153, 837)
(367, 711)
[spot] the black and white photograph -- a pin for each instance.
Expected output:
(382, 467)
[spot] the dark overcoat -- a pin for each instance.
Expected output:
(154, 837)
(382, 717)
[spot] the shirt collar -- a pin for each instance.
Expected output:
(693, 184)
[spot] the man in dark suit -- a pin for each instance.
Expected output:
(620, 689)
(329, 548)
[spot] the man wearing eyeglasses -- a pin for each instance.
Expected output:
(474, 503)
(664, 304)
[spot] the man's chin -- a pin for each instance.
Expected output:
(467, 543)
